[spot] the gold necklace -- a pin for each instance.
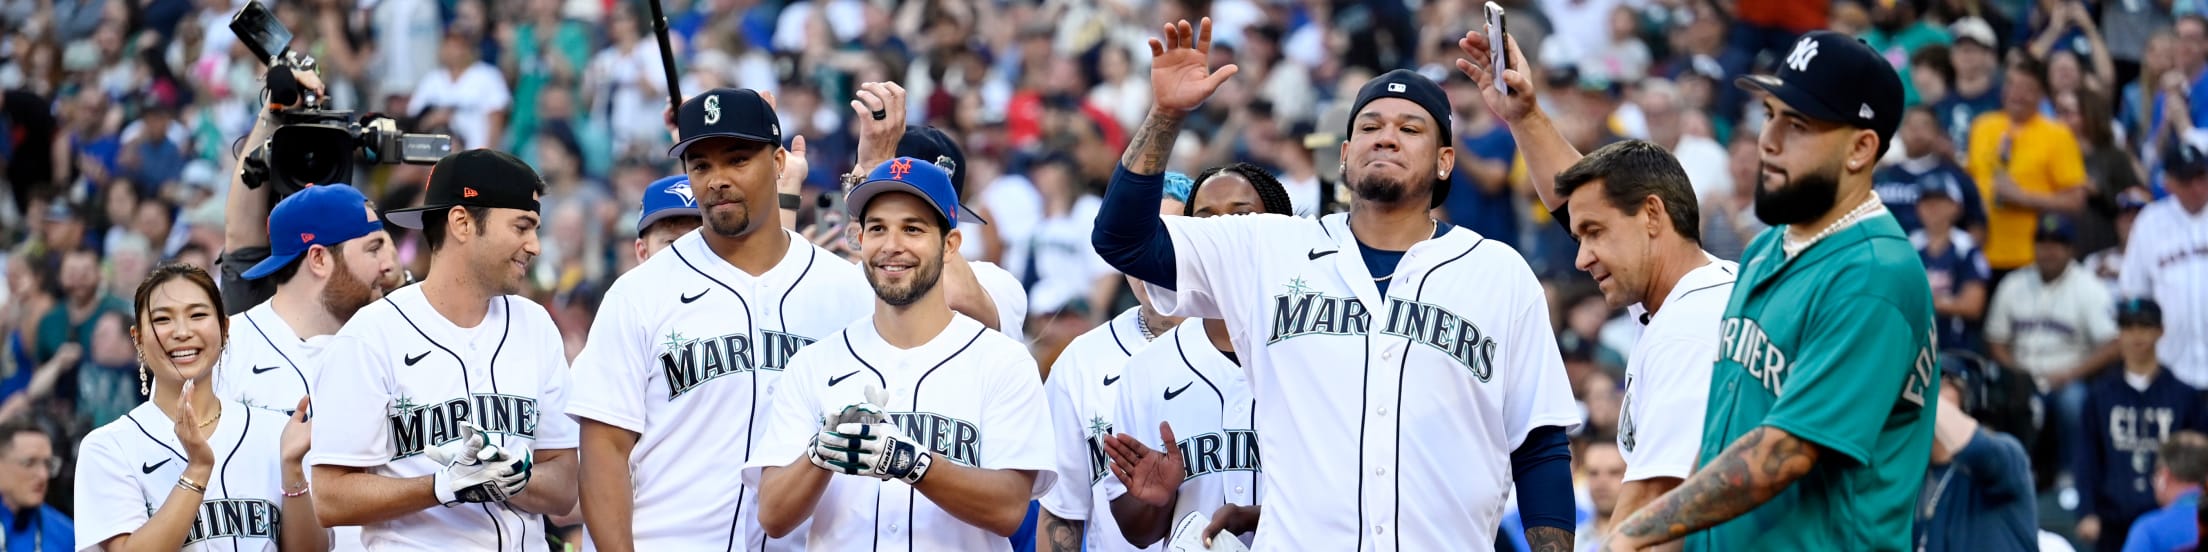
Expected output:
(211, 421)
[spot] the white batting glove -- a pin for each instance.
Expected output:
(471, 470)
(879, 451)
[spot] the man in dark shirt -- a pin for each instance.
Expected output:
(1929, 164)
(2129, 413)
(1953, 265)
(1978, 491)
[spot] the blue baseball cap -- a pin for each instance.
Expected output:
(908, 175)
(1178, 186)
(1940, 187)
(324, 215)
(2055, 228)
(667, 197)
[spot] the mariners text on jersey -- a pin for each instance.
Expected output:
(233, 517)
(688, 363)
(1298, 313)
(417, 427)
(956, 439)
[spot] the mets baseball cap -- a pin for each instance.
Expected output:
(908, 175)
(2132, 313)
(927, 143)
(667, 197)
(324, 215)
(2055, 228)
(725, 113)
(1830, 76)
(474, 178)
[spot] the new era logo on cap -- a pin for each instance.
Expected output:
(1396, 87)
(1866, 112)
(306, 237)
(468, 192)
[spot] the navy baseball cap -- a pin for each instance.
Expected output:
(475, 178)
(1409, 85)
(908, 175)
(324, 215)
(725, 113)
(2184, 160)
(1830, 76)
(2139, 312)
(1940, 187)
(667, 197)
(2055, 228)
(927, 143)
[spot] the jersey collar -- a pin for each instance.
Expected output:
(793, 263)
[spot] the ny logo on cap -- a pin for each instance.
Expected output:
(682, 190)
(899, 168)
(1396, 87)
(1803, 52)
(712, 109)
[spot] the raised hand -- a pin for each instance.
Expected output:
(1180, 73)
(1512, 107)
(1151, 476)
(878, 136)
(794, 168)
(298, 434)
(188, 432)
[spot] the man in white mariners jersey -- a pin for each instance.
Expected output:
(2167, 259)
(690, 345)
(327, 255)
(1191, 385)
(1638, 224)
(1403, 369)
(452, 428)
(916, 426)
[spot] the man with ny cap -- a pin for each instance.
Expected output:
(1820, 412)
(689, 346)
(452, 427)
(328, 254)
(1403, 369)
(978, 289)
(917, 428)
(670, 211)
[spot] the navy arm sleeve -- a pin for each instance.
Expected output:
(1995, 460)
(1128, 233)
(1541, 466)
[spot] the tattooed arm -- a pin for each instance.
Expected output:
(1054, 534)
(1753, 469)
(1128, 233)
(1548, 539)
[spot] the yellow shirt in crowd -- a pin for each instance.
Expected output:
(2042, 156)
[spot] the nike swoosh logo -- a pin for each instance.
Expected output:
(1111, 380)
(261, 369)
(410, 360)
(1315, 254)
(839, 379)
(1169, 394)
(687, 299)
(148, 468)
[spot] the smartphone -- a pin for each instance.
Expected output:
(260, 31)
(1498, 59)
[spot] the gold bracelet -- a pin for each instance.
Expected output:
(189, 485)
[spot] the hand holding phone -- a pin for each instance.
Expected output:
(1498, 59)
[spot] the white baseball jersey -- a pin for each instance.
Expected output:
(266, 365)
(410, 377)
(970, 395)
(127, 468)
(1081, 389)
(1397, 414)
(2167, 261)
(686, 352)
(1186, 382)
(1667, 378)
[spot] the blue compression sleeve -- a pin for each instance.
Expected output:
(1128, 234)
(1542, 466)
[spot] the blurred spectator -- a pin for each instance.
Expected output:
(107, 382)
(2052, 321)
(83, 300)
(1991, 506)
(1931, 77)
(2109, 168)
(1952, 265)
(1601, 471)
(2129, 26)
(1119, 91)
(469, 95)
(2129, 413)
(1065, 269)
(129, 259)
(1670, 118)
(1599, 394)
(1977, 86)
(1481, 196)
(29, 297)
(2027, 163)
(628, 84)
(27, 128)
(1620, 56)
(1729, 222)
(544, 51)
(406, 44)
(2182, 466)
(2166, 260)
(2071, 34)
(1927, 165)
(2108, 264)
(2140, 106)
(1897, 32)
(27, 464)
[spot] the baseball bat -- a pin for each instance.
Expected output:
(666, 57)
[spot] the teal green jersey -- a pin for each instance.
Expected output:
(1833, 346)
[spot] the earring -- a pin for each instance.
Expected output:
(144, 387)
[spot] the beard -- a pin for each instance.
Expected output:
(345, 295)
(924, 277)
(1798, 200)
(1380, 189)
(728, 224)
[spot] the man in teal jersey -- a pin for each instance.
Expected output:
(1820, 417)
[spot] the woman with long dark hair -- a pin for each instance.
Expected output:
(186, 470)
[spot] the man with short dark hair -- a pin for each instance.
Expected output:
(2183, 467)
(2128, 415)
(27, 464)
